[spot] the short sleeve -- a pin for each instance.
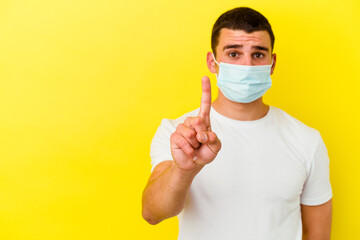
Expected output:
(160, 144)
(317, 188)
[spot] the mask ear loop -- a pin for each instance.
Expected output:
(215, 62)
(272, 62)
(215, 59)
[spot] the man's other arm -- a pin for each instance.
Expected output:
(316, 221)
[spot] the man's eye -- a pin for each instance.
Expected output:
(233, 54)
(258, 55)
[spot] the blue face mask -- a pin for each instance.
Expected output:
(242, 83)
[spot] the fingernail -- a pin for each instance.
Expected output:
(195, 158)
(203, 137)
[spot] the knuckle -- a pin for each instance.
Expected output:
(189, 134)
(197, 121)
(173, 137)
(179, 127)
(188, 120)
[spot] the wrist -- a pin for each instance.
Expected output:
(183, 174)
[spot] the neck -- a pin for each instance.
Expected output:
(240, 111)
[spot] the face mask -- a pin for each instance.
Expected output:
(242, 83)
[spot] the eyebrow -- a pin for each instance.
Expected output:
(240, 46)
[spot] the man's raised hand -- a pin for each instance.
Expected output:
(193, 144)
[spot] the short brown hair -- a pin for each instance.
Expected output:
(241, 18)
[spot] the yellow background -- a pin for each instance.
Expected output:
(85, 84)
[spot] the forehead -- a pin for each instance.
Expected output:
(240, 37)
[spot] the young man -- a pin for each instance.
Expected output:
(238, 168)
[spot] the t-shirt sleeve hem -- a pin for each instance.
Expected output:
(316, 201)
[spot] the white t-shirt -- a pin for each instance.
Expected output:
(254, 187)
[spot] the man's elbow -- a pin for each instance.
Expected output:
(149, 217)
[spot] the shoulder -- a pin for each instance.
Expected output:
(291, 123)
(296, 131)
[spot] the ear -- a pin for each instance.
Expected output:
(273, 56)
(211, 63)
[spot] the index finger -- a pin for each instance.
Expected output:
(205, 100)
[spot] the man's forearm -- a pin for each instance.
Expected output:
(165, 195)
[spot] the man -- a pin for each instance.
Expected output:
(238, 168)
